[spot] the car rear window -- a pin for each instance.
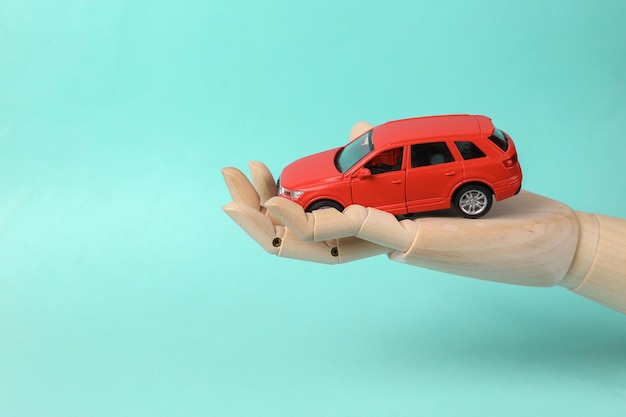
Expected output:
(469, 150)
(499, 138)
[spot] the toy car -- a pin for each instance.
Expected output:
(411, 165)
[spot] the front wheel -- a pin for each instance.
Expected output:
(324, 204)
(473, 200)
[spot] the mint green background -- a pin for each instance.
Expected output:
(126, 291)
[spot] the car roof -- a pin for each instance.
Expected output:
(430, 127)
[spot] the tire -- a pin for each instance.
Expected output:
(324, 204)
(473, 200)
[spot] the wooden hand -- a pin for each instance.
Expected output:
(526, 240)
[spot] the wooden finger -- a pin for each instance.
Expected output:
(263, 180)
(295, 248)
(382, 228)
(257, 225)
(359, 128)
(351, 249)
(240, 188)
(280, 241)
(320, 225)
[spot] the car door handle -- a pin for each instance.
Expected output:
(450, 173)
(396, 182)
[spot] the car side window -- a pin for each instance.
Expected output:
(387, 161)
(426, 154)
(469, 150)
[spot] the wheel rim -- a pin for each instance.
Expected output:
(473, 202)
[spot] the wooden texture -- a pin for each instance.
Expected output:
(525, 240)
(358, 129)
(598, 271)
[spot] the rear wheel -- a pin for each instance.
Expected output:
(473, 200)
(324, 204)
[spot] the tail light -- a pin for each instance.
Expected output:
(510, 162)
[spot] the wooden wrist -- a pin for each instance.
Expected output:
(598, 271)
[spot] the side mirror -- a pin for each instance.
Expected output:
(363, 172)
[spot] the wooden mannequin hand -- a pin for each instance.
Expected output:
(525, 240)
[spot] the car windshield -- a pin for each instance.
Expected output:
(354, 152)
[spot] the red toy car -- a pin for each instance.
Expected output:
(411, 165)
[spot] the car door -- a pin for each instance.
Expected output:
(380, 182)
(432, 174)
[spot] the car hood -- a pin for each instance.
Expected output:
(310, 170)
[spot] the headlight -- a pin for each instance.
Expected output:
(285, 192)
